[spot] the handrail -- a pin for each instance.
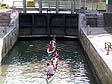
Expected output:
(108, 47)
(64, 5)
(17, 3)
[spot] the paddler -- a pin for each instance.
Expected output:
(50, 47)
(50, 70)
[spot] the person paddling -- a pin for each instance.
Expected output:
(55, 59)
(54, 62)
(56, 55)
(53, 42)
(54, 39)
(50, 70)
(50, 47)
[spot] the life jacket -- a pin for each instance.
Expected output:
(56, 55)
(50, 47)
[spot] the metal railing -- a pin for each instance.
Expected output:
(108, 47)
(46, 4)
(18, 4)
(62, 4)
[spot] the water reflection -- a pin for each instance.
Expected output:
(26, 64)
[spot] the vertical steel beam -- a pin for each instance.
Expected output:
(72, 7)
(57, 6)
(24, 6)
(40, 6)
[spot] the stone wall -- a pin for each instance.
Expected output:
(95, 20)
(8, 39)
(109, 8)
(91, 20)
(108, 22)
(4, 19)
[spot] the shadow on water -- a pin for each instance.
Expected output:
(26, 64)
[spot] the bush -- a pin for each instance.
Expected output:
(4, 6)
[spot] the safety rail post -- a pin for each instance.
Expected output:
(108, 47)
(13, 3)
(108, 50)
(18, 4)
(72, 7)
(40, 6)
(24, 6)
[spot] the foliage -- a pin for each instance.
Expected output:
(4, 6)
(98, 6)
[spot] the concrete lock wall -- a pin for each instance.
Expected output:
(8, 39)
(8, 42)
(100, 68)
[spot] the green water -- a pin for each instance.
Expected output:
(26, 64)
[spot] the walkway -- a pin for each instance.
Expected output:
(98, 37)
